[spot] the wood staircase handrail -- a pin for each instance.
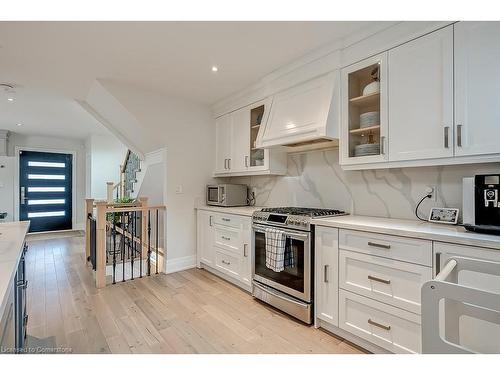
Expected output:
(125, 161)
(134, 208)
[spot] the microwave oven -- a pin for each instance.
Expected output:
(228, 195)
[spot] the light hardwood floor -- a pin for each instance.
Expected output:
(191, 311)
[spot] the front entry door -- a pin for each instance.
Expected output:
(45, 190)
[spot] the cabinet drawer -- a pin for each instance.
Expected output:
(227, 238)
(226, 263)
(401, 248)
(385, 280)
(386, 326)
(227, 220)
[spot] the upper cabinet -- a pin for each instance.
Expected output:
(237, 153)
(421, 98)
(477, 88)
(305, 113)
(364, 111)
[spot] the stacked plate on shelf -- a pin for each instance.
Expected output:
(369, 119)
(367, 149)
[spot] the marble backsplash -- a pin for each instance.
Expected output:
(315, 179)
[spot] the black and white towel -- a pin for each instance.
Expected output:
(275, 249)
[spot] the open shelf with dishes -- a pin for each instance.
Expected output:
(256, 154)
(364, 111)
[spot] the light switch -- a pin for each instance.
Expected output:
(178, 189)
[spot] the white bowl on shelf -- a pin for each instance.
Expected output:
(371, 88)
(369, 119)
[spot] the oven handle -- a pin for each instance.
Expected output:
(289, 233)
(280, 295)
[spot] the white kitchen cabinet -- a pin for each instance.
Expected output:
(225, 245)
(420, 93)
(205, 238)
(8, 323)
(223, 143)
(464, 328)
(364, 137)
(237, 134)
(326, 264)
(303, 113)
(477, 83)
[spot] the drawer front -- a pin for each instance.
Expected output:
(228, 220)
(227, 238)
(385, 280)
(226, 263)
(401, 248)
(386, 326)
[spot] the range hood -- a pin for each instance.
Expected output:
(306, 116)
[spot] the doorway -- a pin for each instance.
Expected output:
(45, 190)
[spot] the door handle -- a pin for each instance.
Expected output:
(370, 277)
(382, 246)
(23, 195)
(459, 135)
(225, 163)
(382, 145)
(228, 163)
(246, 161)
(325, 273)
(245, 250)
(210, 220)
(438, 263)
(446, 137)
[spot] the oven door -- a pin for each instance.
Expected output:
(214, 195)
(294, 281)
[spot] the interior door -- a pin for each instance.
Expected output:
(477, 93)
(223, 135)
(45, 190)
(421, 98)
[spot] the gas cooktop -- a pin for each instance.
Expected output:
(304, 211)
(293, 217)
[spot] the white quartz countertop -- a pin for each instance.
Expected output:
(11, 243)
(412, 228)
(243, 210)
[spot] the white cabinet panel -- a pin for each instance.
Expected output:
(241, 140)
(421, 98)
(385, 280)
(227, 238)
(326, 252)
(477, 83)
(223, 136)
(301, 113)
(388, 327)
(205, 238)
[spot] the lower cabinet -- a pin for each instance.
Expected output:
(368, 285)
(8, 326)
(224, 245)
(327, 285)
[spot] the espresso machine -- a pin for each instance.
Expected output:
(481, 203)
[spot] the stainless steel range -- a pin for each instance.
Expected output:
(290, 290)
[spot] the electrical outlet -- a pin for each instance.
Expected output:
(432, 190)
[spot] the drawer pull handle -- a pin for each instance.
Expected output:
(325, 273)
(370, 277)
(245, 250)
(225, 219)
(387, 328)
(225, 238)
(381, 245)
(224, 262)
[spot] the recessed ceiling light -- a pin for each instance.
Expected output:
(19, 124)
(10, 99)
(215, 69)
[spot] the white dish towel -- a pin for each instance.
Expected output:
(275, 249)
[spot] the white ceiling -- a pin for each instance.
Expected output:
(55, 62)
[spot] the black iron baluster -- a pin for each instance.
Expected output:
(133, 244)
(141, 245)
(123, 246)
(114, 248)
(149, 243)
(156, 241)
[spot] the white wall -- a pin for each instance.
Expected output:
(186, 131)
(105, 153)
(7, 165)
(62, 145)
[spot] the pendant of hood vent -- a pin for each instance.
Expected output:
(305, 116)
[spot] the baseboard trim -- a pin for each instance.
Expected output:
(181, 264)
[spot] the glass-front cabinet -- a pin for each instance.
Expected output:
(364, 111)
